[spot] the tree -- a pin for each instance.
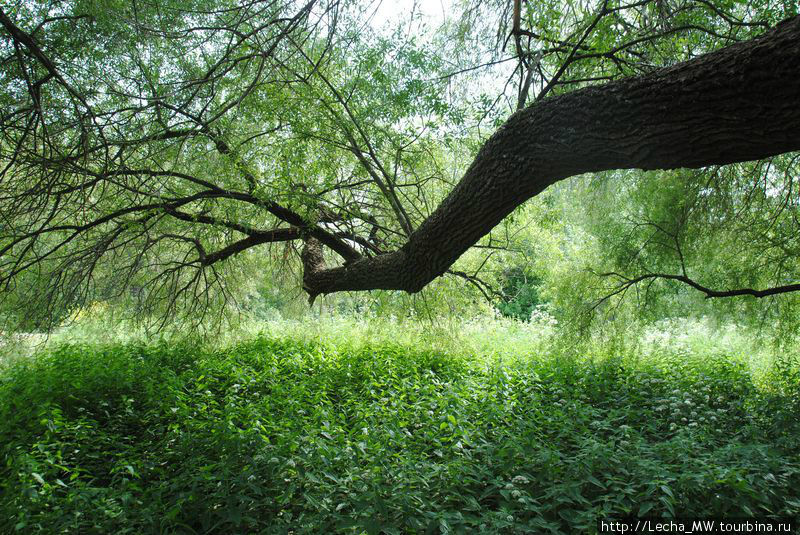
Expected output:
(708, 111)
(185, 136)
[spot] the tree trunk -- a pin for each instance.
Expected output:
(736, 104)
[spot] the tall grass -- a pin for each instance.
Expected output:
(341, 425)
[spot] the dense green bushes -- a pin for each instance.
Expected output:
(272, 436)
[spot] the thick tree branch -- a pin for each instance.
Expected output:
(736, 104)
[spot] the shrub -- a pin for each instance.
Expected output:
(274, 435)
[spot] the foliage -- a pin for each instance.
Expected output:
(164, 156)
(161, 161)
(273, 435)
(520, 294)
(723, 228)
(156, 120)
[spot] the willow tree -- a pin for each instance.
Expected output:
(146, 146)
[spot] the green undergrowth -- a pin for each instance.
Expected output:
(277, 436)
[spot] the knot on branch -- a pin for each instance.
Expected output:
(313, 262)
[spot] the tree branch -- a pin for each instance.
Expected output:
(736, 104)
(629, 282)
(256, 238)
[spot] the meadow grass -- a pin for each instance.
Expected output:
(342, 425)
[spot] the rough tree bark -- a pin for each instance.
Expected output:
(736, 104)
